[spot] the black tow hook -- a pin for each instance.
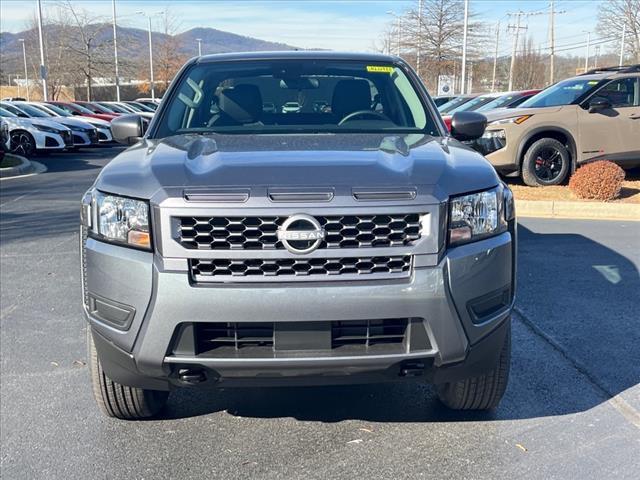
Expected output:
(190, 376)
(412, 369)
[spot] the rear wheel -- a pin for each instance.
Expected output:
(120, 401)
(546, 162)
(22, 143)
(483, 392)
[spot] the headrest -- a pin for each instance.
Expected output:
(350, 96)
(243, 103)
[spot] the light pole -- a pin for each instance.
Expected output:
(115, 50)
(43, 68)
(26, 76)
(586, 58)
(199, 40)
(463, 74)
(153, 90)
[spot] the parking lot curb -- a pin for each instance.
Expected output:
(581, 210)
(24, 168)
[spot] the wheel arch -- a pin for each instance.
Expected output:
(558, 133)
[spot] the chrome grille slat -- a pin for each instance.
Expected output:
(260, 233)
(208, 270)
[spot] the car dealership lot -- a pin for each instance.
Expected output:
(572, 408)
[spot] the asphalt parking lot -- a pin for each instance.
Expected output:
(572, 409)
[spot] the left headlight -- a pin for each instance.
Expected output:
(122, 220)
(45, 128)
(479, 215)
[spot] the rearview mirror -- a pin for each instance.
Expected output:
(129, 129)
(467, 125)
(598, 104)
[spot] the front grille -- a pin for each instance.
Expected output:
(323, 338)
(67, 138)
(260, 233)
(211, 270)
(368, 333)
(51, 142)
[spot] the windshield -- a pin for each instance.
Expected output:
(113, 108)
(32, 111)
(15, 110)
(57, 110)
(562, 93)
(446, 108)
(80, 108)
(499, 102)
(239, 97)
(7, 113)
(471, 105)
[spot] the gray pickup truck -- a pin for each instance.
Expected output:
(236, 245)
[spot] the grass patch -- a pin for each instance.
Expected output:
(10, 161)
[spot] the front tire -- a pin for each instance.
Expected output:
(483, 392)
(546, 162)
(119, 401)
(22, 143)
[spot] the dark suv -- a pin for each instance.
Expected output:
(235, 246)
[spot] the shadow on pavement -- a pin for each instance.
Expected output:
(579, 292)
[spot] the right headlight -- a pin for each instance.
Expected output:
(479, 215)
(122, 220)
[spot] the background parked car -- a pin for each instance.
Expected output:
(30, 135)
(97, 108)
(79, 110)
(585, 118)
(102, 127)
(84, 134)
(446, 108)
(442, 99)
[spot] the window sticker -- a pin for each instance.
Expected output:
(379, 69)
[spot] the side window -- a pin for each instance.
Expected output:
(621, 93)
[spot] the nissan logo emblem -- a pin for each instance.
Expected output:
(301, 234)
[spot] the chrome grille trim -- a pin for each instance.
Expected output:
(260, 232)
(312, 269)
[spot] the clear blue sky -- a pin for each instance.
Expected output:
(333, 24)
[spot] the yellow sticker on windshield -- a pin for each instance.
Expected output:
(592, 82)
(379, 69)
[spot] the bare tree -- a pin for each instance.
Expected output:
(530, 67)
(168, 57)
(89, 46)
(613, 16)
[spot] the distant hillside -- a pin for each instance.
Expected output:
(133, 45)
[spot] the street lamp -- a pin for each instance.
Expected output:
(43, 68)
(115, 49)
(153, 91)
(199, 40)
(26, 76)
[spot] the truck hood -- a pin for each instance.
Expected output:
(354, 160)
(502, 113)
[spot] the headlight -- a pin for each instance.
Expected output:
(44, 128)
(517, 120)
(491, 141)
(122, 220)
(476, 216)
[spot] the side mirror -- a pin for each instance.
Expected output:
(467, 125)
(128, 129)
(597, 104)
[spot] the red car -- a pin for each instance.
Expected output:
(75, 109)
(97, 108)
(484, 103)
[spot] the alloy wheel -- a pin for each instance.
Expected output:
(548, 164)
(21, 144)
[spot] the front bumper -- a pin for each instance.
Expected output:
(156, 299)
(50, 141)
